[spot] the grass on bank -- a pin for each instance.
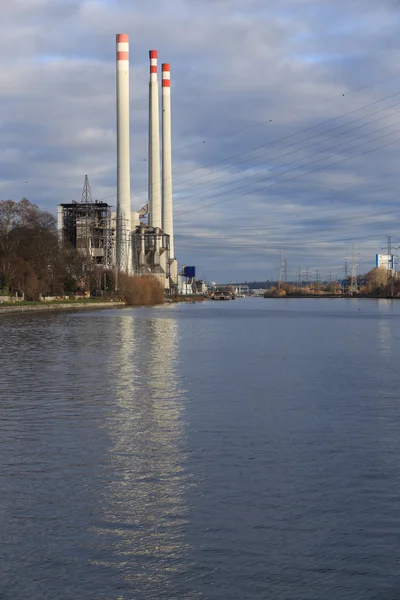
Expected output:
(78, 300)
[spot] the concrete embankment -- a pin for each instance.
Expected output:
(46, 307)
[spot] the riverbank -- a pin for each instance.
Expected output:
(20, 307)
(51, 306)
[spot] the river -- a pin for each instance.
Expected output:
(244, 450)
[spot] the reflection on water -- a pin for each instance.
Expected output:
(384, 336)
(385, 326)
(288, 425)
(92, 479)
(145, 498)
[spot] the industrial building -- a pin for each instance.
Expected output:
(87, 227)
(122, 240)
(385, 261)
(151, 254)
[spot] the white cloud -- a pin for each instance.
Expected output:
(245, 76)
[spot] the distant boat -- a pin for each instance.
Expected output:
(223, 295)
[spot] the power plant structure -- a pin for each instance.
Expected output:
(152, 242)
(87, 226)
(122, 240)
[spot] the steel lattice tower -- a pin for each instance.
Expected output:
(285, 270)
(353, 283)
(86, 197)
(390, 263)
(280, 270)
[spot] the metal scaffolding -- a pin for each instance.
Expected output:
(86, 226)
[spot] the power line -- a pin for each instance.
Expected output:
(253, 190)
(297, 111)
(310, 128)
(329, 197)
(347, 218)
(291, 162)
(219, 135)
(323, 133)
(315, 209)
(276, 244)
(302, 141)
(274, 142)
(302, 166)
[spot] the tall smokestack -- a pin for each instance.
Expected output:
(154, 146)
(168, 221)
(124, 251)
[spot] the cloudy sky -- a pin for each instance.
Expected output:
(286, 121)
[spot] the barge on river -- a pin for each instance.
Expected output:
(225, 293)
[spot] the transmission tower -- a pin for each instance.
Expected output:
(86, 202)
(285, 271)
(346, 276)
(299, 278)
(389, 249)
(353, 284)
(280, 270)
(307, 277)
(390, 263)
(86, 197)
(123, 246)
(317, 281)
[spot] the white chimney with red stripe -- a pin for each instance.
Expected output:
(160, 206)
(123, 229)
(168, 225)
(155, 209)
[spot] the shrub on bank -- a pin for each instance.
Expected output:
(139, 291)
(274, 292)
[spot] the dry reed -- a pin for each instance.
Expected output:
(140, 291)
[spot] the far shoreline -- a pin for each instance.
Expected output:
(330, 297)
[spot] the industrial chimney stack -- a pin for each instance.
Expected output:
(168, 225)
(152, 258)
(154, 145)
(123, 226)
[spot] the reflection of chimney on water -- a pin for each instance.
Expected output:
(145, 434)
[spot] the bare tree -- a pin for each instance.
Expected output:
(31, 259)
